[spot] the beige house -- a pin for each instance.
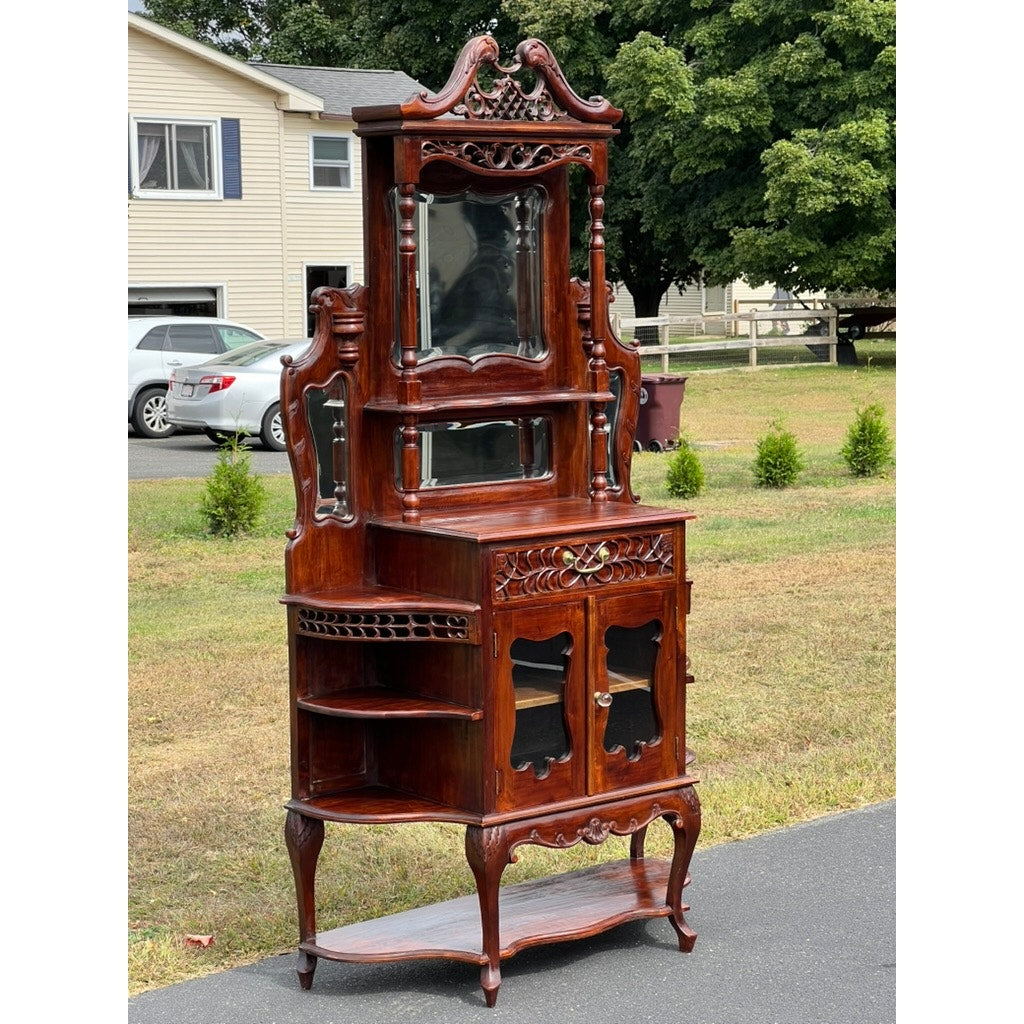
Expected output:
(244, 180)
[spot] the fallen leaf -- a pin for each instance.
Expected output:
(199, 940)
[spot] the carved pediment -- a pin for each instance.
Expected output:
(505, 99)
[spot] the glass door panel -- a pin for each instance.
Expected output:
(540, 668)
(633, 706)
(539, 673)
(631, 656)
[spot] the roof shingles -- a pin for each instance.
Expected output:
(341, 89)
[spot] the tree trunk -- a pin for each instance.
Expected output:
(647, 298)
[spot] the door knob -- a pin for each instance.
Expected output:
(603, 700)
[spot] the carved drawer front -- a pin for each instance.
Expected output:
(581, 564)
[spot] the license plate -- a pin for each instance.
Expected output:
(187, 390)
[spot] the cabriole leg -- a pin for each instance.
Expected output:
(685, 829)
(487, 853)
(636, 844)
(304, 837)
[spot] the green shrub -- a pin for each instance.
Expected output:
(234, 497)
(868, 449)
(778, 461)
(685, 478)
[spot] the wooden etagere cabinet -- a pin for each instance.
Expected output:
(485, 626)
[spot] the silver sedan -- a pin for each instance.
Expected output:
(238, 392)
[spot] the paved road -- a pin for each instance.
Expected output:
(190, 455)
(794, 927)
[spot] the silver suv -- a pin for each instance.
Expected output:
(158, 345)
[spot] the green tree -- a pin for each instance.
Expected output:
(420, 37)
(785, 161)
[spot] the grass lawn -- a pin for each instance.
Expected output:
(792, 715)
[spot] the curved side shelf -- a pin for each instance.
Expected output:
(377, 804)
(382, 703)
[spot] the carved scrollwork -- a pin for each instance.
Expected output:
(505, 156)
(529, 571)
(594, 831)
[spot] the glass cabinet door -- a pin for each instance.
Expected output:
(541, 664)
(633, 720)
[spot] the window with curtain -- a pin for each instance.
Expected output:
(330, 165)
(176, 157)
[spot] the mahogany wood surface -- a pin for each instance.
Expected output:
(573, 905)
(484, 628)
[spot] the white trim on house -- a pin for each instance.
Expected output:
(289, 97)
(213, 123)
(347, 164)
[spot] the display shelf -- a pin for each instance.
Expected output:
(463, 425)
(583, 903)
(384, 702)
(367, 804)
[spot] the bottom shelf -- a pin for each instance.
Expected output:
(568, 906)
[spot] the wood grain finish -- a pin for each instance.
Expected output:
(499, 644)
(582, 903)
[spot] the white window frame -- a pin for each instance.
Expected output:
(213, 123)
(332, 136)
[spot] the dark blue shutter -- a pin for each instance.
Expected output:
(231, 154)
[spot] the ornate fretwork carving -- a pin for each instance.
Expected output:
(530, 571)
(385, 625)
(506, 101)
(505, 156)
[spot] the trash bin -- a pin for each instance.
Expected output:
(657, 425)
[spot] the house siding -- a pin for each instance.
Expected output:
(235, 243)
(255, 248)
(322, 228)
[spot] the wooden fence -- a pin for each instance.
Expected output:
(826, 317)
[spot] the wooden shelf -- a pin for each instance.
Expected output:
(487, 403)
(536, 685)
(381, 702)
(382, 600)
(618, 682)
(576, 905)
(378, 804)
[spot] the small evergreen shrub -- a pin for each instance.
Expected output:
(235, 497)
(869, 447)
(778, 461)
(685, 478)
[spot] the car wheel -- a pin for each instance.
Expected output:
(272, 430)
(149, 418)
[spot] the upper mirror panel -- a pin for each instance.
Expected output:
(478, 274)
